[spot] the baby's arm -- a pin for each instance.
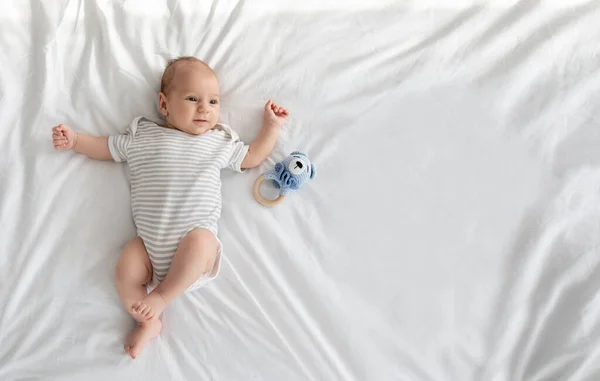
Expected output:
(95, 147)
(275, 117)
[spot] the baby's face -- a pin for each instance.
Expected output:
(192, 104)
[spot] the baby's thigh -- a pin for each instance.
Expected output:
(202, 243)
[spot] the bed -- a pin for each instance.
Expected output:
(452, 231)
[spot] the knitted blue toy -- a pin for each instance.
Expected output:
(287, 174)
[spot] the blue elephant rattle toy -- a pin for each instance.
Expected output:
(287, 175)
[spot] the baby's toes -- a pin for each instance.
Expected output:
(141, 308)
(136, 306)
(149, 314)
(146, 310)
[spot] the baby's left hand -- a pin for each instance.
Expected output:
(275, 114)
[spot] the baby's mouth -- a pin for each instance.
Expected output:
(200, 121)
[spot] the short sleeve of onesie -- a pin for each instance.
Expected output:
(236, 149)
(118, 145)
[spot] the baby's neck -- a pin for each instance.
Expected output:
(174, 127)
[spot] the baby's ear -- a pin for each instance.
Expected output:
(162, 103)
(313, 171)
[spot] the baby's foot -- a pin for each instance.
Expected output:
(149, 307)
(140, 336)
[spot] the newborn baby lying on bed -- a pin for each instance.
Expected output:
(175, 189)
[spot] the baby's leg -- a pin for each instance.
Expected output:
(195, 255)
(132, 273)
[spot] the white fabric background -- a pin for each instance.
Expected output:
(452, 233)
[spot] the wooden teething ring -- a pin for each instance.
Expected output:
(260, 198)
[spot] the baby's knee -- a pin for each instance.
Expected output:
(135, 244)
(203, 242)
(200, 233)
(201, 237)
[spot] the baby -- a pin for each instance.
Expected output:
(175, 189)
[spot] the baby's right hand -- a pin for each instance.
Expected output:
(63, 137)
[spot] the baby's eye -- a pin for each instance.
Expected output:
(192, 99)
(213, 102)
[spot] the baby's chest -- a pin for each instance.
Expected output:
(180, 156)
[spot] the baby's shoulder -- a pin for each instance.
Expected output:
(141, 123)
(145, 123)
(148, 129)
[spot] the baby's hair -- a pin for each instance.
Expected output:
(169, 73)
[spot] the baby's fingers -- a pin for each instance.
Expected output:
(280, 111)
(268, 105)
(63, 128)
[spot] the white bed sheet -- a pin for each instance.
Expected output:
(452, 233)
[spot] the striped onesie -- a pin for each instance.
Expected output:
(175, 185)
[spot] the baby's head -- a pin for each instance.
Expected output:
(189, 95)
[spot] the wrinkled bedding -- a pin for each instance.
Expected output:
(452, 232)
